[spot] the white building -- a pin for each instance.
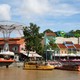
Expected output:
(73, 39)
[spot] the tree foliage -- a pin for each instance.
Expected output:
(71, 33)
(32, 38)
(52, 44)
(75, 33)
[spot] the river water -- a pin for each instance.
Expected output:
(17, 73)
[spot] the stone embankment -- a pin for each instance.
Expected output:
(17, 64)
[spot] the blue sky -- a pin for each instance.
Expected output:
(48, 14)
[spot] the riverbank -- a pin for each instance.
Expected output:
(17, 64)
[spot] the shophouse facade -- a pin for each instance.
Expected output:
(15, 44)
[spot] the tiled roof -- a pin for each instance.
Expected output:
(69, 42)
(13, 41)
(50, 34)
(77, 46)
(61, 46)
(69, 47)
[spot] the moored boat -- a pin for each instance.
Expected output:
(73, 61)
(6, 58)
(69, 67)
(37, 66)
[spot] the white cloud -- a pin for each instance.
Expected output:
(35, 9)
(30, 8)
(5, 12)
(43, 12)
(64, 10)
(41, 8)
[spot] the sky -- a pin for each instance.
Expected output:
(56, 15)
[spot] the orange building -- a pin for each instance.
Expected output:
(69, 47)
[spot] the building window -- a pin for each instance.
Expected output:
(15, 48)
(0, 48)
(57, 51)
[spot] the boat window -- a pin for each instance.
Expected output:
(1, 56)
(32, 63)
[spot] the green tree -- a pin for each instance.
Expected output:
(72, 33)
(52, 44)
(77, 33)
(32, 38)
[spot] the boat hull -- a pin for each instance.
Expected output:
(34, 66)
(6, 62)
(69, 67)
(38, 68)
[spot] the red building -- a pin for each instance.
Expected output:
(15, 44)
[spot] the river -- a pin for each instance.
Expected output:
(17, 73)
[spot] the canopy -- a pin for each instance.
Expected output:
(63, 55)
(59, 54)
(31, 54)
(7, 53)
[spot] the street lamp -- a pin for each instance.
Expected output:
(51, 52)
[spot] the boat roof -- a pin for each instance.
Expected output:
(31, 54)
(7, 53)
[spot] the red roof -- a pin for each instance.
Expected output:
(62, 46)
(69, 42)
(12, 41)
(69, 47)
(77, 46)
(50, 34)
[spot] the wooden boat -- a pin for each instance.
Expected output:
(55, 63)
(6, 58)
(37, 66)
(73, 61)
(69, 67)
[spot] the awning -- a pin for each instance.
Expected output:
(34, 55)
(72, 54)
(60, 55)
(31, 54)
(78, 54)
(63, 55)
(7, 53)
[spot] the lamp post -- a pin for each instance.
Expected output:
(51, 54)
(54, 55)
(46, 55)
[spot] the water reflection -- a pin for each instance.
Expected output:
(20, 74)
